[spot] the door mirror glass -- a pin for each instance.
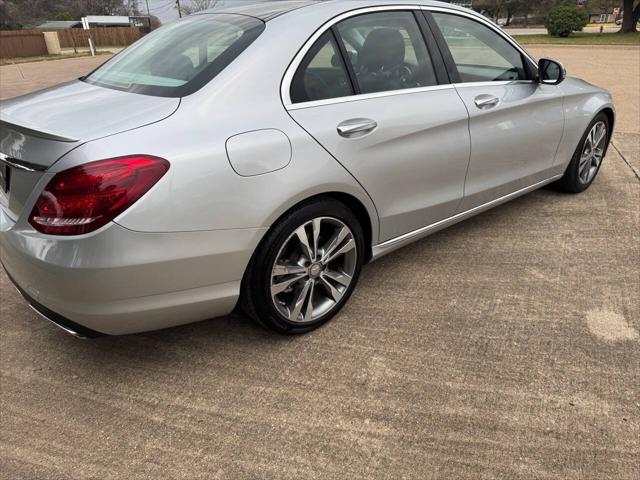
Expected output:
(551, 72)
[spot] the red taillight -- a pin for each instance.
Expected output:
(83, 199)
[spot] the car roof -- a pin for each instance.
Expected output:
(269, 9)
(264, 9)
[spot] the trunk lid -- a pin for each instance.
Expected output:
(38, 129)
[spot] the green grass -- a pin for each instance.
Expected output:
(45, 58)
(581, 38)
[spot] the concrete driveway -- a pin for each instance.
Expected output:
(505, 347)
(607, 28)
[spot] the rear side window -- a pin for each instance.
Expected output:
(322, 74)
(387, 51)
(479, 53)
(180, 58)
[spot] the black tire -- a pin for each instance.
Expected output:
(255, 296)
(571, 181)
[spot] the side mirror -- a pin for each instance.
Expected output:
(551, 72)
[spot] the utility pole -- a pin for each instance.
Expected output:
(148, 14)
(179, 9)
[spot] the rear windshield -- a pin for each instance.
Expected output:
(179, 58)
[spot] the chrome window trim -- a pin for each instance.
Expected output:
(492, 83)
(487, 23)
(285, 86)
(366, 96)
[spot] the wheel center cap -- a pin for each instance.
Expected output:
(315, 270)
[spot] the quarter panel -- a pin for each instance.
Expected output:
(201, 191)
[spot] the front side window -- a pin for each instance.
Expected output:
(322, 74)
(180, 58)
(480, 53)
(387, 51)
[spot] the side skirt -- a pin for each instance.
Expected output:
(389, 246)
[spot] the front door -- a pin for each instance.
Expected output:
(516, 124)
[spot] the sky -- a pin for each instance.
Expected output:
(166, 10)
(163, 9)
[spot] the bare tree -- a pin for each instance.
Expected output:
(194, 6)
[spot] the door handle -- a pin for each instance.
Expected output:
(356, 127)
(486, 101)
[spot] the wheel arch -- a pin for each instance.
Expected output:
(361, 214)
(611, 116)
(364, 211)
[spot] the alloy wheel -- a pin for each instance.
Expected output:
(592, 152)
(313, 270)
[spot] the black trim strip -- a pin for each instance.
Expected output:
(432, 47)
(8, 123)
(62, 322)
(21, 164)
(452, 69)
(346, 60)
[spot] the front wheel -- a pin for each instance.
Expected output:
(588, 157)
(305, 269)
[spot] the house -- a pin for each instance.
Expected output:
(604, 15)
(58, 25)
(94, 21)
(108, 21)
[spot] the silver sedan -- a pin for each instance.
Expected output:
(258, 156)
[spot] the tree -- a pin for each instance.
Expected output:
(64, 16)
(631, 16)
(199, 5)
(515, 7)
(8, 16)
(155, 22)
(490, 8)
(499, 8)
(565, 19)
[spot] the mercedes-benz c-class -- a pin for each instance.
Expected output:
(259, 155)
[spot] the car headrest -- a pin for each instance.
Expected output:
(382, 50)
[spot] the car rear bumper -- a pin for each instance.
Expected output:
(65, 324)
(118, 281)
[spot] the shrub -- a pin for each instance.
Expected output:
(64, 16)
(566, 18)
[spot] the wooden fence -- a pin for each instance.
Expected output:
(22, 43)
(102, 37)
(29, 43)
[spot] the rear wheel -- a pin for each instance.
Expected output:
(588, 157)
(306, 268)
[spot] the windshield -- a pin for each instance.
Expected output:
(180, 58)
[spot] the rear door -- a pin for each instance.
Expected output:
(516, 124)
(377, 98)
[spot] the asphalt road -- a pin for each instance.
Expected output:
(504, 347)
